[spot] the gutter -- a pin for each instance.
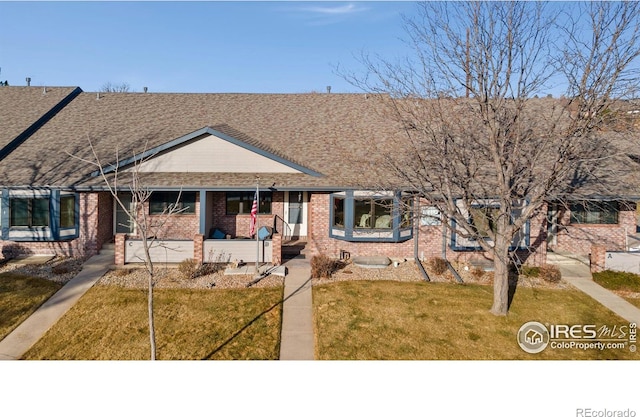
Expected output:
(444, 255)
(415, 252)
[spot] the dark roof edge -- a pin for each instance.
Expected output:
(207, 130)
(28, 132)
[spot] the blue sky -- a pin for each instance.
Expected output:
(257, 47)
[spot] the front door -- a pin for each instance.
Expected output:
(123, 223)
(295, 213)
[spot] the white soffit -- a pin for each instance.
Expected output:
(213, 154)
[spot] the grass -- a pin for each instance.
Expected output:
(618, 281)
(110, 323)
(624, 282)
(20, 296)
(394, 320)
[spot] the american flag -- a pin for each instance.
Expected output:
(254, 214)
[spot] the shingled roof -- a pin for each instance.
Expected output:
(342, 137)
(23, 110)
(317, 131)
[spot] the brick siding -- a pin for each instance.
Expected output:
(430, 240)
(579, 238)
(96, 214)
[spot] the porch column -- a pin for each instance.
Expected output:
(276, 250)
(203, 212)
(120, 247)
(198, 248)
(598, 254)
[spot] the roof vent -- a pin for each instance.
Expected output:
(44, 91)
(28, 81)
(328, 89)
(98, 95)
(145, 89)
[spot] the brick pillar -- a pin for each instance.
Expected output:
(120, 242)
(598, 254)
(198, 248)
(276, 242)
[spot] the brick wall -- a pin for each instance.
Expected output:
(579, 238)
(430, 240)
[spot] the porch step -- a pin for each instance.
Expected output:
(109, 248)
(293, 249)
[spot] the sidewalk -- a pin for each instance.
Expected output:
(35, 326)
(297, 338)
(576, 272)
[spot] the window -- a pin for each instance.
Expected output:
(67, 211)
(592, 212)
(338, 212)
(162, 201)
(367, 216)
(430, 216)
(484, 219)
(372, 214)
(29, 212)
(240, 202)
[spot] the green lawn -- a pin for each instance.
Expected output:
(21, 295)
(393, 320)
(111, 323)
(620, 281)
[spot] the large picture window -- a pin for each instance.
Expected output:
(484, 218)
(595, 212)
(162, 201)
(372, 214)
(240, 202)
(366, 216)
(29, 212)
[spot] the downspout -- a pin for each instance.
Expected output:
(415, 248)
(444, 254)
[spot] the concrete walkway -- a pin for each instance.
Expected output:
(297, 337)
(35, 326)
(576, 271)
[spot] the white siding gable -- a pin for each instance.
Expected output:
(213, 154)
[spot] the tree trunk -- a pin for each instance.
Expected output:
(501, 275)
(152, 332)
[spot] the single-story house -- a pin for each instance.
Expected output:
(308, 154)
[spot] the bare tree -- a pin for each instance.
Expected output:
(473, 137)
(149, 230)
(110, 87)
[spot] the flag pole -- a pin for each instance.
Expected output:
(257, 228)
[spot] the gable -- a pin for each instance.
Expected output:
(213, 153)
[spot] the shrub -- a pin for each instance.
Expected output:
(60, 269)
(530, 271)
(323, 267)
(438, 265)
(550, 273)
(477, 272)
(188, 268)
(123, 272)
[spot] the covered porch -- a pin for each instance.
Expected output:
(216, 227)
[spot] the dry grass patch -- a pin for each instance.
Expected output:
(110, 323)
(413, 320)
(20, 296)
